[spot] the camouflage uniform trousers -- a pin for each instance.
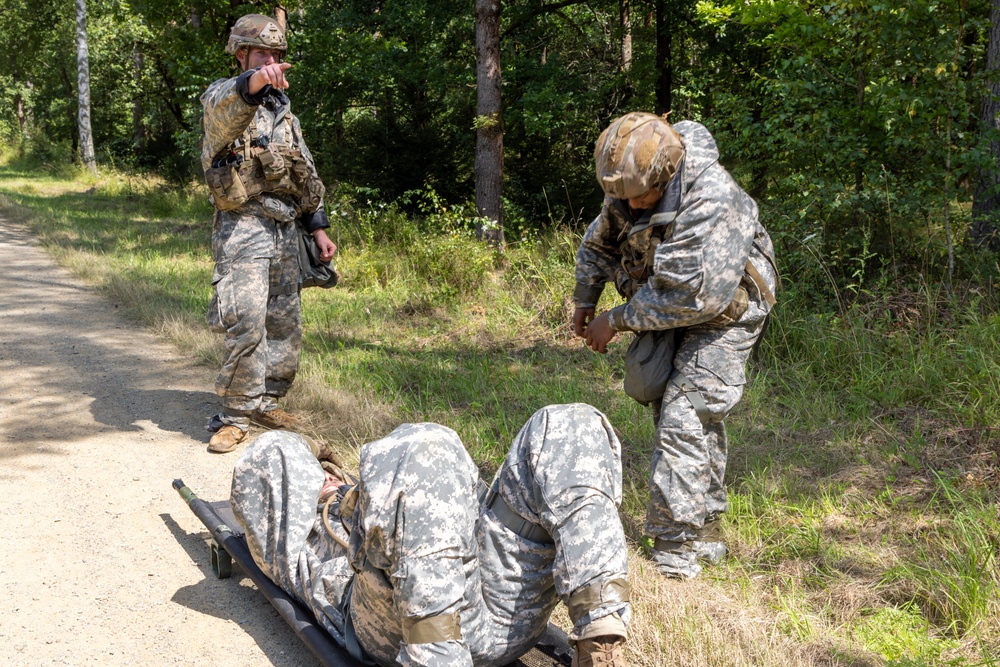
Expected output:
(439, 579)
(687, 493)
(263, 333)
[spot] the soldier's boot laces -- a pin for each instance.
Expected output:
(226, 439)
(275, 418)
(604, 651)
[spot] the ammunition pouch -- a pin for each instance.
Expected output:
(264, 167)
(226, 185)
(734, 311)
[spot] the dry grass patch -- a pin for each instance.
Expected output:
(703, 624)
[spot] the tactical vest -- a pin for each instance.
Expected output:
(253, 165)
(638, 242)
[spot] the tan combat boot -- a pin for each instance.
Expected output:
(276, 419)
(226, 439)
(604, 651)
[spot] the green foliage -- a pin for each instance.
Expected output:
(854, 124)
(899, 634)
(953, 572)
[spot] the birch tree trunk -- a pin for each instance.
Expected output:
(83, 88)
(986, 200)
(489, 124)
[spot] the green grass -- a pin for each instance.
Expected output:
(864, 458)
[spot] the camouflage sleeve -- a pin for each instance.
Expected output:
(596, 260)
(226, 116)
(698, 267)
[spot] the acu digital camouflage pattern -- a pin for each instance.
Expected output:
(255, 249)
(697, 265)
(423, 547)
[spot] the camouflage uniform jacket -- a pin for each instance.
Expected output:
(229, 109)
(691, 249)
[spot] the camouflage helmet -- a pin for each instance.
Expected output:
(256, 30)
(636, 153)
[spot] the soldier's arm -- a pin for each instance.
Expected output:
(315, 222)
(698, 267)
(228, 109)
(596, 260)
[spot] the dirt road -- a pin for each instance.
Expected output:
(101, 563)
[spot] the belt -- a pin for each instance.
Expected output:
(517, 523)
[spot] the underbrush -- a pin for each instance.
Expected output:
(864, 458)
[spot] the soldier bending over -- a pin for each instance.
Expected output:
(680, 240)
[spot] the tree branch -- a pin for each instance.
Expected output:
(537, 11)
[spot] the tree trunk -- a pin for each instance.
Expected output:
(138, 129)
(281, 16)
(74, 153)
(664, 63)
(986, 200)
(22, 118)
(489, 124)
(625, 7)
(83, 88)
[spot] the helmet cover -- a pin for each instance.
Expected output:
(636, 153)
(256, 30)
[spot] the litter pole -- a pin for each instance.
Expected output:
(299, 619)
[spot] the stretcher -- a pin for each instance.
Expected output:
(227, 545)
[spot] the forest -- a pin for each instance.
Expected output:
(865, 130)
(864, 460)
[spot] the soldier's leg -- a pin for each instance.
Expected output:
(284, 317)
(242, 300)
(276, 485)
(417, 557)
(242, 245)
(550, 529)
(687, 494)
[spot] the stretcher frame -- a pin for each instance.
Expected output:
(227, 543)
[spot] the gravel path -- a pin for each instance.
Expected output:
(101, 563)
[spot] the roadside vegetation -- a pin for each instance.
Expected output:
(865, 457)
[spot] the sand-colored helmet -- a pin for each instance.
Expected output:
(636, 153)
(256, 30)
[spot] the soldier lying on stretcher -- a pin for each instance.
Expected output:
(410, 566)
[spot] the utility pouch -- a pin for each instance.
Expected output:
(649, 361)
(226, 186)
(734, 311)
(272, 163)
(314, 272)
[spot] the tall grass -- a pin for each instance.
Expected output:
(863, 463)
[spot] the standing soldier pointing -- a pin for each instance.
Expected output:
(262, 178)
(680, 240)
